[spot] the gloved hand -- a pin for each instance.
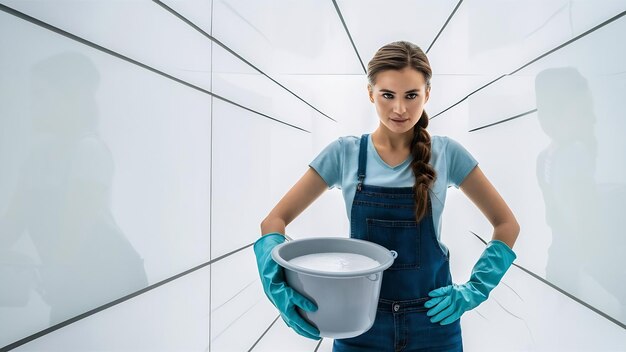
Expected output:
(451, 301)
(282, 296)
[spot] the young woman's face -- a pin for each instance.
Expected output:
(399, 96)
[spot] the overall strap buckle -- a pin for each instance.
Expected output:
(362, 160)
(358, 186)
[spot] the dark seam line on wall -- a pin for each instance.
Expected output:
(256, 280)
(574, 298)
(237, 318)
(322, 74)
(211, 186)
(508, 311)
(574, 39)
(318, 345)
(250, 24)
(444, 26)
(547, 21)
(257, 112)
(482, 316)
(349, 36)
(512, 290)
(612, 19)
(113, 303)
(257, 341)
(264, 332)
(505, 120)
(480, 238)
(467, 96)
(125, 58)
(215, 40)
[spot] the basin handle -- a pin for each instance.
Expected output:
(373, 277)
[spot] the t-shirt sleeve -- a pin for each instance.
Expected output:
(329, 163)
(459, 162)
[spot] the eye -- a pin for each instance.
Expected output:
(390, 95)
(412, 94)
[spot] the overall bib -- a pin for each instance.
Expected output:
(385, 215)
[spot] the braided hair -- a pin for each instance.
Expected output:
(397, 56)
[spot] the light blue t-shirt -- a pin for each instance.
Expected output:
(338, 165)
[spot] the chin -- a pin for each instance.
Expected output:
(398, 129)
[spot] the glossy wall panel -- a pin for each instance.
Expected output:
(564, 159)
(139, 29)
(163, 41)
(286, 36)
(172, 317)
(280, 337)
(199, 12)
(373, 24)
(597, 56)
(343, 98)
(250, 173)
(105, 182)
(492, 38)
(522, 313)
(240, 311)
(237, 81)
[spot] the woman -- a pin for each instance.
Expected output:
(397, 203)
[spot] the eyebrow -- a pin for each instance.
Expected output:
(391, 91)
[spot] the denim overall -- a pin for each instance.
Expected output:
(385, 215)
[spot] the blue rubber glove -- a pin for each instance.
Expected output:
(282, 296)
(451, 301)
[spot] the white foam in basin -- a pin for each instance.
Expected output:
(335, 262)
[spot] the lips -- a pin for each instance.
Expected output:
(398, 120)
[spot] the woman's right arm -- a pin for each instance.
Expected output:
(310, 186)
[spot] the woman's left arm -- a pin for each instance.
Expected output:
(448, 303)
(481, 192)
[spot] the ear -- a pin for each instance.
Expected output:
(427, 94)
(370, 92)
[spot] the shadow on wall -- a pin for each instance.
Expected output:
(62, 201)
(585, 216)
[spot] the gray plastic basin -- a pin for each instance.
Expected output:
(346, 301)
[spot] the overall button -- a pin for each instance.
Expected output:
(396, 306)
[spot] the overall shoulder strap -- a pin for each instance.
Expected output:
(362, 160)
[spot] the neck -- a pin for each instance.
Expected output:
(392, 141)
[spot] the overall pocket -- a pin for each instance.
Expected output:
(402, 236)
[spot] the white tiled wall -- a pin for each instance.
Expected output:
(140, 140)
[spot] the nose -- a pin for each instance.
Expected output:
(399, 107)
